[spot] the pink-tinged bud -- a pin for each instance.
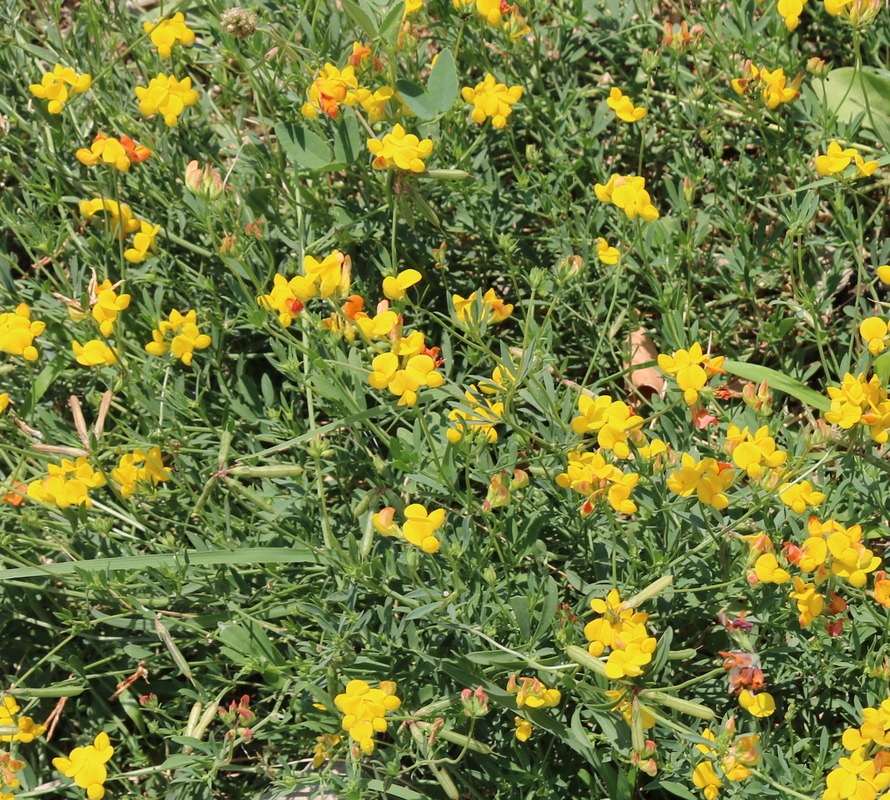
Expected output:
(649, 767)
(520, 480)
(759, 399)
(204, 182)
(434, 729)
(498, 494)
(729, 728)
(150, 699)
(835, 628)
(650, 747)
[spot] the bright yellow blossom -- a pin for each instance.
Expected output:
(874, 332)
(753, 453)
(523, 729)
(531, 693)
(167, 32)
(404, 379)
(400, 150)
(492, 100)
(623, 107)
(288, 297)
(87, 766)
(139, 468)
(800, 496)
(606, 254)
(628, 192)
(18, 332)
(66, 484)
(494, 309)
(364, 710)
(95, 353)
(186, 338)
(774, 85)
(790, 10)
(395, 288)
(692, 369)
(143, 243)
(708, 479)
(591, 475)
(331, 274)
(375, 103)
(54, 87)
(27, 731)
(331, 89)
(167, 96)
(757, 705)
(119, 153)
(108, 304)
(767, 570)
(119, 215)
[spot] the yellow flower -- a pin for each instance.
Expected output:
(768, 570)
(364, 710)
(494, 309)
(874, 332)
(325, 745)
(707, 479)
(375, 103)
(623, 107)
(330, 275)
(492, 100)
(490, 10)
(167, 96)
(532, 693)
(66, 484)
(18, 332)
(705, 778)
(107, 306)
(140, 468)
(606, 254)
(400, 150)
(523, 729)
(420, 526)
(87, 766)
(757, 705)
(27, 731)
(380, 326)
(773, 85)
(4, 401)
(412, 7)
(119, 215)
(800, 496)
(810, 603)
(628, 192)
(836, 160)
(95, 353)
(119, 153)
(754, 452)
(790, 10)
(331, 89)
(480, 417)
(167, 32)
(857, 12)
(591, 475)
(143, 243)
(186, 338)
(692, 369)
(54, 87)
(404, 379)
(883, 273)
(288, 296)
(395, 288)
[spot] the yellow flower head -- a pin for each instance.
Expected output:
(395, 288)
(139, 468)
(288, 297)
(607, 255)
(628, 192)
(364, 710)
(87, 766)
(143, 243)
(492, 100)
(118, 153)
(523, 729)
(623, 107)
(18, 332)
(119, 215)
(330, 275)
(532, 693)
(95, 353)
(757, 705)
(67, 484)
(167, 96)
(331, 89)
(183, 335)
(375, 103)
(107, 305)
(494, 309)
(400, 150)
(167, 32)
(54, 86)
(790, 11)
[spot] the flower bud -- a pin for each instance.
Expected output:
(498, 494)
(239, 22)
(567, 269)
(204, 182)
(475, 702)
(818, 67)
(520, 480)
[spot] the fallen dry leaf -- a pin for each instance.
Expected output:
(646, 380)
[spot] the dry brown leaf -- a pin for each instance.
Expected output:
(646, 380)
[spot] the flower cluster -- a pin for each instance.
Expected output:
(692, 369)
(18, 332)
(364, 711)
(331, 88)
(836, 160)
(774, 86)
(857, 12)
(628, 192)
(54, 86)
(753, 453)
(623, 106)
(493, 309)
(419, 527)
(167, 96)
(621, 630)
(395, 287)
(478, 417)
(875, 332)
(492, 100)
(67, 484)
(591, 475)
(732, 756)
(186, 338)
(865, 772)
(118, 215)
(708, 479)
(611, 420)
(27, 730)
(87, 766)
(325, 278)
(165, 33)
(494, 13)
(400, 150)
(119, 153)
(531, 693)
(860, 401)
(745, 678)
(140, 468)
(404, 373)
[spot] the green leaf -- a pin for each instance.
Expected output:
(360, 18)
(779, 381)
(348, 142)
(850, 93)
(676, 789)
(442, 85)
(305, 149)
(420, 103)
(45, 379)
(175, 561)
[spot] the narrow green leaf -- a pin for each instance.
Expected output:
(360, 18)
(778, 380)
(193, 558)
